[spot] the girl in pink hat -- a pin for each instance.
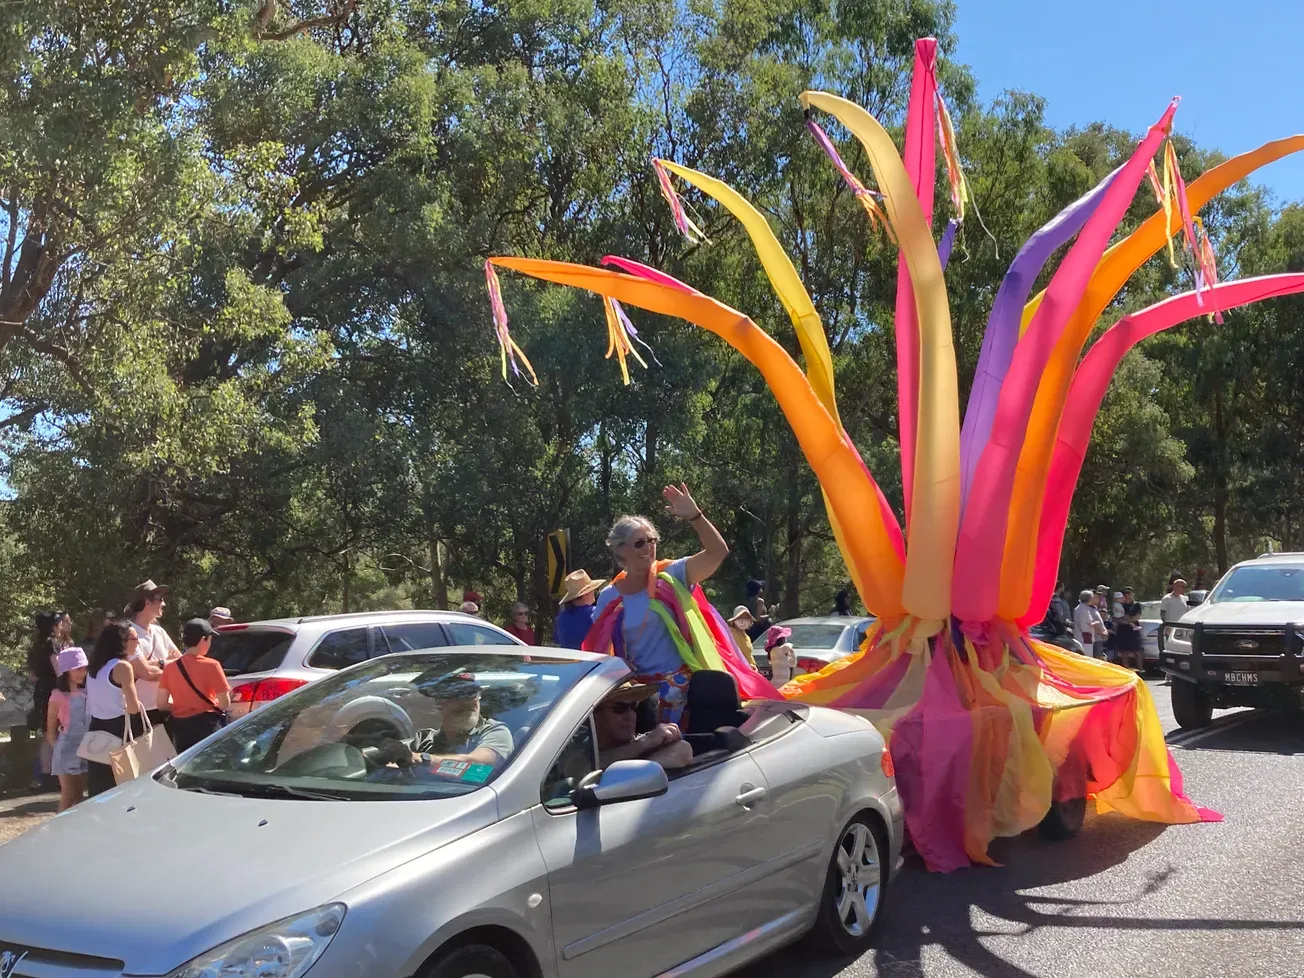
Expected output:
(66, 723)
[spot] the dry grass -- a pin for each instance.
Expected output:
(21, 814)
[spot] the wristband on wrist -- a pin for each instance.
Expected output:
(694, 519)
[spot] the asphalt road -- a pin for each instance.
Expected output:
(1124, 898)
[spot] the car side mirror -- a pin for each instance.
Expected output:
(621, 781)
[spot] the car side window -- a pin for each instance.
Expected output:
(578, 758)
(410, 636)
(464, 633)
(339, 650)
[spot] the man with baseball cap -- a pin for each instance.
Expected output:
(466, 746)
(616, 720)
(155, 648)
(220, 616)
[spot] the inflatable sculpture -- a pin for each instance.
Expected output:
(990, 730)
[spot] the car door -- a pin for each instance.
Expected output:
(409, 636)
(638, 887)
(341, 649)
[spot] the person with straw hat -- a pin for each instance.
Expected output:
(739, 625)
(577, 608)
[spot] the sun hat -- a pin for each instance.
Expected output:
(776, 634)
(738, 612)
(69, 659)
(221, 612)
(578, 583)
(630, 692)
(148, 588)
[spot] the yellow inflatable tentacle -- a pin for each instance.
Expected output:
(935, 506)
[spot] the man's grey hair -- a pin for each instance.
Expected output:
(1086, 596)
(625, 528)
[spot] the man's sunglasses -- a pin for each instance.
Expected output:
(622, 707)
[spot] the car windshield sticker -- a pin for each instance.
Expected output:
(478, 773)
(453, 769)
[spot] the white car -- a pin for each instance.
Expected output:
(1150, 622)
(264, 660)
(819, 641)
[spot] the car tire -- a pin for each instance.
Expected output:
(1063, 819)
(1192, 706)
(472, 961)
(846, 925)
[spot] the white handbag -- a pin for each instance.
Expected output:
(137, 755)
(97, 745)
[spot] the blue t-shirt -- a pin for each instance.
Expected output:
(572, 624)
(648, 646)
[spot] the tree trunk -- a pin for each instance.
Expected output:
(790, 607)
(438, 580)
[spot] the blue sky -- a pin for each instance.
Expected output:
(1236, 64)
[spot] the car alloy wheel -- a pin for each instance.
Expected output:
(861, 871)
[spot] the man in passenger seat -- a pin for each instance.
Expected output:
(615, 720)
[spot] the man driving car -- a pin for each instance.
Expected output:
(616, 719)
(464, 742)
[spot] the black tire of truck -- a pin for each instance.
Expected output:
(1192, 706)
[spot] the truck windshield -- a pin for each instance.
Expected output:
(1269, 583)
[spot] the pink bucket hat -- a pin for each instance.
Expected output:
(69, 659)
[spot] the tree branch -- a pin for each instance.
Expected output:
(268, 10)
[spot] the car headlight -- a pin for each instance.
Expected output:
(285, 949)
(1183, 634)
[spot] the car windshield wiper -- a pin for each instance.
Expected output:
(273, 790)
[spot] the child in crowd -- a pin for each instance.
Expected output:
(65, 724)
(195, 688)
(783, 657)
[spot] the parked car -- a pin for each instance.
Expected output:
(264, 660)
(1243, 645)
(819, 640)
(543, 864)
(1150, 622)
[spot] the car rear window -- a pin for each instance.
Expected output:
(249, 651)
(816, 636)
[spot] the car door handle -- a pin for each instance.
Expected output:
(748, 796)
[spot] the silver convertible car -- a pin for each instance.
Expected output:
(445, 814)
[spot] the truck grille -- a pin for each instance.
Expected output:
(1245, 641)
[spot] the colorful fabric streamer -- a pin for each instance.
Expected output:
(507, 347)
(620, 336)
(868, 198)
(951, 153)
(686, 226)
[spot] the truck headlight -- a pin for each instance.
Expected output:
(1183, 634)
(285, 949)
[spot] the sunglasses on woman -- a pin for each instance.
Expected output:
(643, 542)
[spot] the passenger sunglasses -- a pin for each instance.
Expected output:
(622, 707)
(643, 542)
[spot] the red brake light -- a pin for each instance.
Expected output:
(807, 664)
(231, 628)
(885, 759)
(265, 690)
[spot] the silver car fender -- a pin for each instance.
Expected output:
(493, 879)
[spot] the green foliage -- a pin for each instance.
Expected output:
(245, 345)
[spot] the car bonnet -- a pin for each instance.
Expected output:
(159, 875)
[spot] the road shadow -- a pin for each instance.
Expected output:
(26, 809)
(957, 911)
(1253, 731)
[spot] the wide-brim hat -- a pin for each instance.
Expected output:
(148, 589)
(738, 612)
(578, 583)
(776, 634)
(630, 692)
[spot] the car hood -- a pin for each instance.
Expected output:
(1268, 613)
(171, 873)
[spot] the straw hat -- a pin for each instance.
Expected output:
(739, 611)
(578, 583)
(630, 692)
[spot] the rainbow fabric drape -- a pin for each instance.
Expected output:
(986, 726)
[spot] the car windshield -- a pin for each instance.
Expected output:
(1276, 582)
(412, 725)
(816, 635)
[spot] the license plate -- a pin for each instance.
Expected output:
(1241, 678)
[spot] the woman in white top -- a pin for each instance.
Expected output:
(111, 694)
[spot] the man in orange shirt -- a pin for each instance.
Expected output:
(196, 688)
